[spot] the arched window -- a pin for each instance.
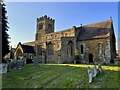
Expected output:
(100, 49)
(81, 48)
(50, 49)
(30, 56)
(107, 51)
(70, 48)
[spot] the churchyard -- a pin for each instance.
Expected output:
(61, 76)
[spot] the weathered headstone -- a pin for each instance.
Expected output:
(24, 60)
(36, 61)
(95, 71)
(74, 61)
(16, 65)
(20, 64)
(12, 65)
(99, 68)
(89, 74)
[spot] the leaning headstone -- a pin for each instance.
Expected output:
(89, 74)
(95, 71)
(99, 68)
(36, 61)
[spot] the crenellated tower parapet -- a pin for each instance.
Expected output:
(45, 25)
(45, 17)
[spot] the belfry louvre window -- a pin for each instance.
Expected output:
(40, 26)
(49, 26)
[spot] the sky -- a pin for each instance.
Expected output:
(22, 16)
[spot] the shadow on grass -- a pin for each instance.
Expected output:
(59, 76)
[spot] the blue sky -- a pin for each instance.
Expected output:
(22, 16)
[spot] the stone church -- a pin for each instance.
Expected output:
(92, 43)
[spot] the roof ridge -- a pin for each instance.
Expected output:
(95, 30)
(99, 22)
(26, 45)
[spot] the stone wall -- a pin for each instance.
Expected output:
(58, 35)
(27, 55)
(59, 45)
(91, 46)
(65, 56)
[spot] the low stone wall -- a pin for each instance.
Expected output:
(3, 68)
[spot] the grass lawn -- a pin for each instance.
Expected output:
(60, 76)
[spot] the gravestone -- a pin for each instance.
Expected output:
(95, 71)
(89, 74)
(104, 60)
(74, 61)
(20, 64)
(24, 60)
(14, 65)
(36, 61)
(99, 68)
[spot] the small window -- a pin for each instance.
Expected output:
(81, 49)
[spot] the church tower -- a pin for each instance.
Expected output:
(45, 25)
